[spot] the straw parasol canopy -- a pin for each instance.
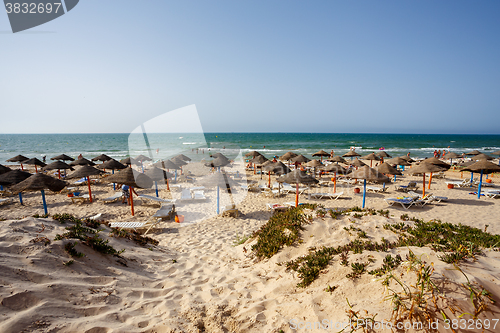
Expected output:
(81, 161)
(484, 167)
(300, 159)
(474, 152)
(4, 169)
(102, 157)
(337, 159)
(158, 174)
(496, 152)
(112, 164)
(407, 159)
(370, 157)
(435, 161)
(18, 158)
(482, 157)
(215, 155)
(183, 157)
(142, 158)
(218, 162)
(62, 157)
(397, 161)
(382, 154)
(351, 153)
(85, 171)
(321, 153)
(334, 167)
(314, 164)
(34, 161)
(297, 177)
(387, 169)
(357, 163)
(128, 161)
(57, 165)
(13, 177)
(130, 177)
(180, 162)
(252, 153)
(288, 156)
(37, 182)
(451, 155)
(424, 168)
(259, 159)
(277, 168)
(367, 173)
(167, 164)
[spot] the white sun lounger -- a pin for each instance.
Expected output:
(155, 199)
(165, 211)
(277, 207)
(186, 195)
(459, 183)
(375, 189)
(135, 225)
(199, 195)
(113, 198)
(81, 198)
(492, 193)
(230, 211)
(333, 196)
(405, 203)
(5, 201)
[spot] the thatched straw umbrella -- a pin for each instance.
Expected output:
(321, 154)
(474, 152)
(335, 168)
(102, 158)
(451, 155)
(351, 154)
(252, 154)
(182, 157)
(62, 157)
(424, 168)
(337, 159)
(382, 154)
(277, 168)
(157, 174)
(3, 169)
(85, 171)
(367, 173)
(357, 163)
(371, 157)
(297, 177)
(259, 159)
(300, 159)
(36, 162)
(219, 179)
(484, 167)
(81, 161)
(13, 177)
(387, 169)
(131, 178)
(57, 165)
(129, 161)
(435, 161)
(287, 156)
(39, 182)
(482, 157)
(113, 165)
(314, 164)
(19, 158)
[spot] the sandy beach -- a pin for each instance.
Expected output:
(204, 276)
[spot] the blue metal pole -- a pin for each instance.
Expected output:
(479, 187)
(114, 185)
(217, 199)
(364, 193)
(175, 176)
(21, 198)
(471, 178)
(394, 178)
(1, 188)
(44, 202)
(142, 166)
(156, 188)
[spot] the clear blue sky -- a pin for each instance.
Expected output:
(263, 66)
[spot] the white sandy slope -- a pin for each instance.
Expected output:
(196, 280)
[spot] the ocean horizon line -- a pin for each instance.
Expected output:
(357, 133)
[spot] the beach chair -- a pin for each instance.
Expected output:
(114, 198)
(405, 202)
(460, 183)
(292, 203)
(136, 226)
(81, 198)
(154, 199)
(230, 211)
(270, 193)
(375, 189)
(492, 193)
(333, 196)
(186, 195)
(412, 186)
(199, 195)
(5, 201)
(166, 212)
(276, 207)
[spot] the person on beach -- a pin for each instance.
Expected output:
(331, 154)
(80, 156)
(408, 154)
(126, 193)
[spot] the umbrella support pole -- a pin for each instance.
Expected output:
(334, 182)
(21, 198)
(59, 173)
(114, 185)
(430, 180)
(168, 187)
(297, 196)
(217, 199)
(1, 188)
(22, 169)
(36, 170)
(269, 179)
(156, 188)
(44, 203)
(471, 178)
(364, 192)
(394, 178)
(479, 186)
(423, 186)
(90, 192)
(131, 200)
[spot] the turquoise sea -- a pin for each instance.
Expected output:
(164, 145)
